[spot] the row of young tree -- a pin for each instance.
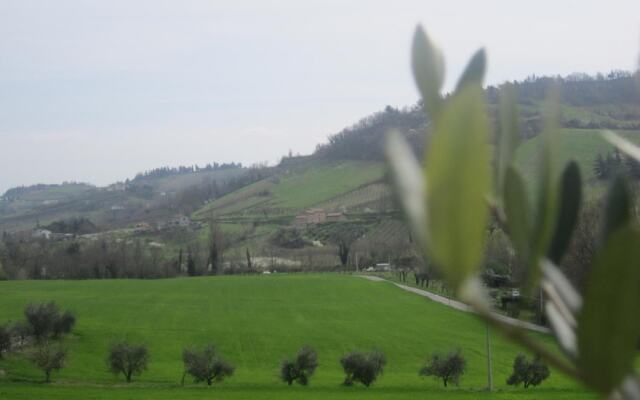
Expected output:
(207, 365)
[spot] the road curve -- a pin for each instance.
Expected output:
(459, 305)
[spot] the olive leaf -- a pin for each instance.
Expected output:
(508, 134)
(458, 174)
(617, 210)
(570, 199)
(428, 70)
(475, 70)
(609, 323)
(517, 211)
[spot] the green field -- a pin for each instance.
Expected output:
(256, 321)
(293, 190)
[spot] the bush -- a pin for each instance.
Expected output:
(21, 331)
(48, 358)
(5, 340)
(528, 373)
(44, 320)
(449, 368)
(206, 365)
(300, 369)
(364, 368)
(128, 359)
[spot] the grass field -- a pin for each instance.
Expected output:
(256, 321)
(294, 190)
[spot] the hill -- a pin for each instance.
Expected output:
(255, 323)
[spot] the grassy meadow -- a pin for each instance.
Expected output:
(256, 321)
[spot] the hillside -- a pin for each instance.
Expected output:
(256, 322)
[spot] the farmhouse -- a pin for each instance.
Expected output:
(311, 216)
(177, 222)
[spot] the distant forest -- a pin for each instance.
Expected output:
(614, 97)
(168, 171)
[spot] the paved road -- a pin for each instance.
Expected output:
(459, 305)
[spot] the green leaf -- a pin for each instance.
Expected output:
(428, 70)
(508, 133)
(408, 181)
(517, 210)
(617, 207)
(609, 323)
(623, 144)
(570, 199)
(547, 201)
(475, 70)
(458, 181)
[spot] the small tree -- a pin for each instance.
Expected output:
(45, 320)
(300, 369)
(48, 358)
(20, 330)
(206, 365)
(128, 359)
(63, 323)
(528, 372)
(449, 368)
(364, 368)
(5, 340)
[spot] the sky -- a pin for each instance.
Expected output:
(96, 91)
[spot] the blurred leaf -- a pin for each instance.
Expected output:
(409, 183)
(475, 70)
(508, 133)
(609, 324)
(547, 202)
(517, 210)
(428, 70)
(570, 199)
(458, 176)
(617, 207)
(623, 144)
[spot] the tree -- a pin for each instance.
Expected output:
(63, 323)
(364, 368)
(206, 365)
(301, 368)
(449, 367)
(127, 359)
(528, 372)
(5, 340)
(191, 265)
(249, 263)
(45, 320)
(48, 358)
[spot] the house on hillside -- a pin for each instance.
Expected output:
(311, 216)
(42, 234)
(336, 217)
(177, 222)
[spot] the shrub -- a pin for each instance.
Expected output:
(21, 331)
(128, 359)
(300, 369)
(44, 320)
(63, 324)
(364, 368)
(48, 358)
(206, 365)
(5, 340)
(528, 372)
(449, 368)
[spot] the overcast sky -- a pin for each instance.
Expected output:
(96, 91)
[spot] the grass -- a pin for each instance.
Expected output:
(291, 191)
(581, 145)
(256, 321)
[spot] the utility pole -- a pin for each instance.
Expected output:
(489, 364)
